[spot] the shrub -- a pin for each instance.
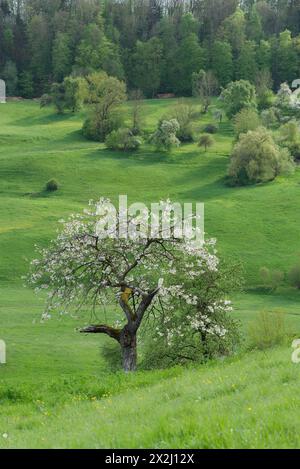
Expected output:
(182, 335)
(96, 128)
(245, 120)
(294, 276)
(185, 134)
(290, 137)
(165, 136)
(206, 141)
(272, 279)
(188, 347)
(238, 95)
(256, 158)
(183, 114)
(46, 100)
(211, 129)
(270, 118)
(52, 185)
(267, 330)
(123, 139)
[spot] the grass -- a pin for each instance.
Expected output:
(55, 390)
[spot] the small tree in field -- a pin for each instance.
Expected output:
(165, 136)
(238, 95)
(106, 93)
(141, 276)
(205, 86)
(256, 158)
(206, 141)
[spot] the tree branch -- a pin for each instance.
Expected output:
(102, 329)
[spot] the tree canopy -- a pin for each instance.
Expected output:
(155, 45)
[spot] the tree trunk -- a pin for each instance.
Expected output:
(129, 352)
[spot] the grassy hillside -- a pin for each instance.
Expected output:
(258, 224)
(55, 379)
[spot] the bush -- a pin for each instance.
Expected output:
(96, 128)
(46, 100)
(267, 330)
(123, 139)
(183, 114)
(185, 335)
(272, 279)
(188, 347)
(238, 95)
(245, 120)
(165, 136)
(294, 276)
(52, 185)
(206, 141)
(256, 158)
(290, 137)
(270, 118)
(211, 129)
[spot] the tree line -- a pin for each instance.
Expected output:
(153, 45)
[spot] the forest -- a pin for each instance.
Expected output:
(153, 45)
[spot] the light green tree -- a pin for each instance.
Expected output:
(238, 95)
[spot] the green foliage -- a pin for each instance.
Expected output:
(247, 119)
(52, 185)
(180, 344)
(290, 137)
(205, 86)
(206, 141)
(234, 29)
(153, 48)
(238, 95)
(76, 92)
(246, 66)
(294, 275)
(146, 66)
(190, 59)
(222, 62)
(136, 100)
(165, 136)
(263, 85)
(256, 158)
(107, 92)
(271, 279)
(25, 85)
(10, 76)
(97, 128)
(123, 139)
(61, 56)
(270, 118)
(46, 100)
(287, 57)
(96, 52)
(267, 330)
(184, 113)
(58, 97)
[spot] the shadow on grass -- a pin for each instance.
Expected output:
(43, 119)
(44, 194)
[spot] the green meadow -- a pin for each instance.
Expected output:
(56, 391)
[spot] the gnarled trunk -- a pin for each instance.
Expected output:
(129, 352)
